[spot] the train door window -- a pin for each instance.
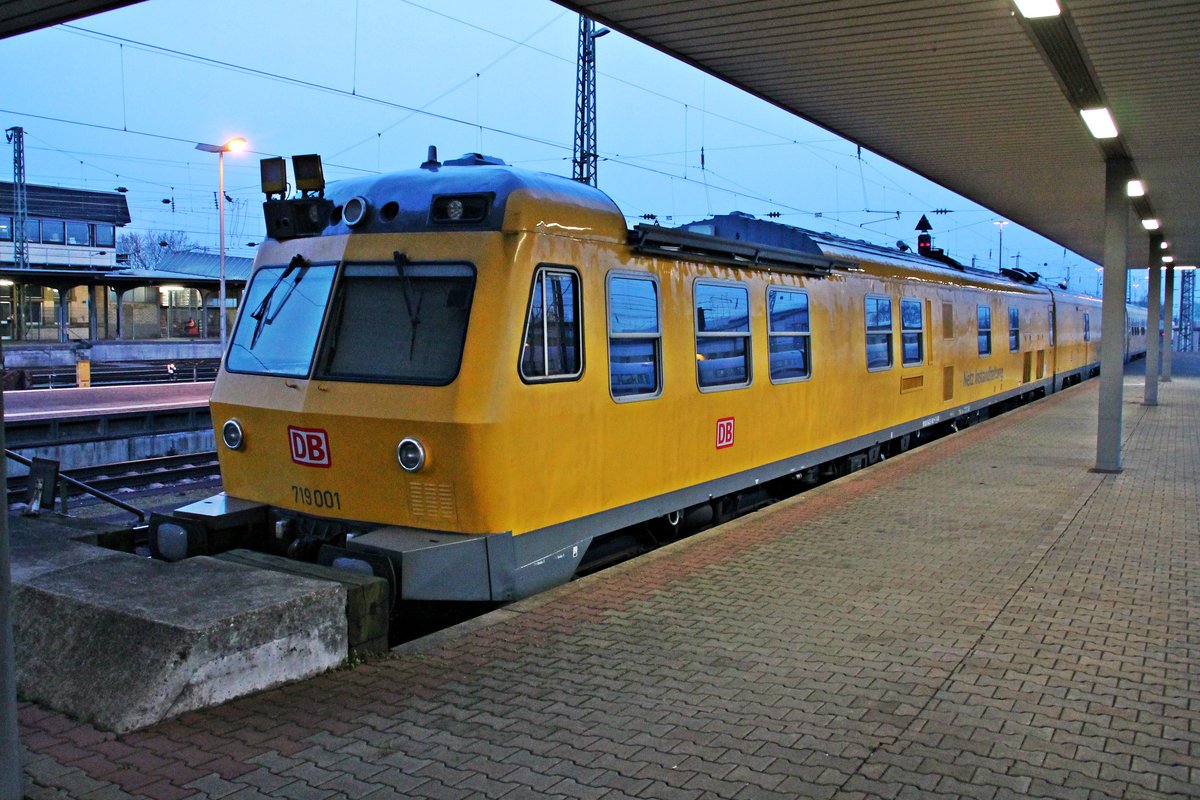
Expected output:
(634, 338)
(788, 335)
(722, 335)
(1014, 329)
(985, 330)
(912, 333)
(1087, 327)
(553, 347)
(879, 332)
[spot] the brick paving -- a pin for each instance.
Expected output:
(982, 617)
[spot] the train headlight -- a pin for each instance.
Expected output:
(411, 455)
(355, 210)
(232, 435)
(462, 208)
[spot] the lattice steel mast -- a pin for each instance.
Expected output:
(16, 136)
(585, 102)
(1187, 301)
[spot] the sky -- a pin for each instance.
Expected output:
(121, 99)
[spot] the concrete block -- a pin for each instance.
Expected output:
(126, 642)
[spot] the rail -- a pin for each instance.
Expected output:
(83, 487)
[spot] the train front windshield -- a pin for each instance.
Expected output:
(400, 322)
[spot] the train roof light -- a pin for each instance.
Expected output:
(309, 175)
(274, 176)
(460, 209)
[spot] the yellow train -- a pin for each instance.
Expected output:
(472, 374)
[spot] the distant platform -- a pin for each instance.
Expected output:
(37, 404)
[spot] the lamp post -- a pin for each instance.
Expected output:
(1000, 259)
(234, 145)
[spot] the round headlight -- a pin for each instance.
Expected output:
(355, 210)
(454, 209)
(231, 434)
(411, 455)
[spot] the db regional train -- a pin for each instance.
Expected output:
(468, 376)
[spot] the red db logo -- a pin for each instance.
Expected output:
(310, 446)
(725, 433)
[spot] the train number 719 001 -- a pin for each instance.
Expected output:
(316, 498)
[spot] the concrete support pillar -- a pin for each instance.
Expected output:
(63, 316)
(93, 327)
(1112, 331)
(11, 774)
(1168, 324)
(1153, 314)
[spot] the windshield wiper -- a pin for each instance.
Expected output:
(414, 313)
(261, 315)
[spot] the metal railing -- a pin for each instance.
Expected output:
(81, 486)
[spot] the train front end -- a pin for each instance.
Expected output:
(356, 419)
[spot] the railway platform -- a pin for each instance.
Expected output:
(981, 617)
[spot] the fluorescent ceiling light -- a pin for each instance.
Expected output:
(1035, 9)
(1135, 188)
(1099, 122)
(1168, 259)
(1164, 245)
(1150, 224)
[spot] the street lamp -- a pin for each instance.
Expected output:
(234, 145)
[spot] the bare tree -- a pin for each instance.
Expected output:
(146, 249)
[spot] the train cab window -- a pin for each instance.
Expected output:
(552, 348)
(634, 338)
(985, 330)
(1014, 329)
(879, 332)
(788, 335)
(400, 322)
(912, 332)
(722, 336)
(277, 332)
(1087, 327)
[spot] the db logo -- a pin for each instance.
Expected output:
(310, 446)
(725, 432)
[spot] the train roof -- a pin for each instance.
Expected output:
(471, 193)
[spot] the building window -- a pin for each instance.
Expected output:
(985, 330)
(722, 335)
(879, 332)
(912, 333)
(1014, 329)
(553, 347)
(33, 230)
(78, 233)
(53, 231)
(788, 335)
(104, 235)
(634, 338)
(6, 229)
(1087, 327)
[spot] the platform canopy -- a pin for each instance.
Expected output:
(969, 93)
(972, 94)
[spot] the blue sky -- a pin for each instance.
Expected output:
(120, 99)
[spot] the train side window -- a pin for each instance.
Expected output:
(912, 333)
(879, 332)
(722, 335)
(553, 348)
(1014, 329)
(634, 338)
(789, 335)
(985, 330)
(1087, 327)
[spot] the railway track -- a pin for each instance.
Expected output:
(130, 475)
